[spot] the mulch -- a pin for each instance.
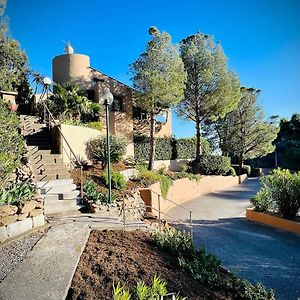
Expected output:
(127, 257)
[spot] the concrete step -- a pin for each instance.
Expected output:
(58, 189)
(42, 153)
(52, 177)
(51, 159)
(48, 166)
(54, 183)
(58, 170)
(68, 195)
(53, 207)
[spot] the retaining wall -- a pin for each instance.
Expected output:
(20, 217)
(184, 189)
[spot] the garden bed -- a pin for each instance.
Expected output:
(112, 257)
(274, 221)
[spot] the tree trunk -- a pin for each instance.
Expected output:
(198, 141)
(240, 167)
(152, 142)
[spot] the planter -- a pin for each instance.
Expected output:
(273, 221)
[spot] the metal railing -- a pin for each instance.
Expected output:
(72, 155)
(160, 213)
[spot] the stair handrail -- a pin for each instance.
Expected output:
(46, 109)
(160, 212)
(177, 204)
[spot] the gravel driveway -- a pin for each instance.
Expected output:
(253, 251)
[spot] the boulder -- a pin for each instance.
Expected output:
(22, 217)
(27, 206)
(8, 210)
(8, 220)
(36, 212)
(3, 234)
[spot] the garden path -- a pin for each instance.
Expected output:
(253, 251)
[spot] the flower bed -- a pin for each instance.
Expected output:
(20, 217)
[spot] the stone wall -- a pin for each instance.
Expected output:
(20, 217)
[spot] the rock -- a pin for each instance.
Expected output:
(127, 202)
(19, 227)
(36, 212)
(22, 217)
(8, 210)
(27, 206)
(38, 220)
(147, 222)
(8, 220)
(3, 234)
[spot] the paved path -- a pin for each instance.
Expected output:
(255, 252)
(46, 273)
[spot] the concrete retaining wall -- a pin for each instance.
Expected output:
(77, 137)
(20, 217)
(184, 189)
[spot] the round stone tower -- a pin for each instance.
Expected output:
(71, 67)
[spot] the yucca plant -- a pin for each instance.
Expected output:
(120, 293)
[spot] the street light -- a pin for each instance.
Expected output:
(107, 98)
(47, 82)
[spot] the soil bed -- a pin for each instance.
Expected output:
(128, 257)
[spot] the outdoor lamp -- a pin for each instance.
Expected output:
(106, 97)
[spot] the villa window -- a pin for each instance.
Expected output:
(118, 104)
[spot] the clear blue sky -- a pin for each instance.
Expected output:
(260, 37)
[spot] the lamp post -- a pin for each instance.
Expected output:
(46, 81)
(107, 98)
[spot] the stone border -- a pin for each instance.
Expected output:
(20, 217)
(273, 221)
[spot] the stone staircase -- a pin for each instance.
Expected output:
(52, 177)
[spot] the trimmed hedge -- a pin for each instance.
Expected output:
(212, 165)
(167, 148)
(246, 169)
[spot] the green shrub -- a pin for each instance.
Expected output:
(246, 169)
(211, 165)
(285, 190)
(186, 147)
(167, 148)
(95, 125)
(280, 192)
(231, 172)
(201, 265)
(149, 177)
(96, 149)
(17, 192)
(12, 145)
(92, 194)
(117, 180)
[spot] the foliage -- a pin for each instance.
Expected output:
(117, 180)
(211, 90)
(158, 78)
(205, 267)
(167, 148)
(13, 61)
(12, 145)
(95, 125)
(120, 293)
(16, 192)
(246, 169)
(70, 102)
(243, 133)
(288, 143)
(91, 192)
(96, 149)
(212, 165)
(280, 192)
(231, 171)
(201, 265)
(156, 291)
(149, 177)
